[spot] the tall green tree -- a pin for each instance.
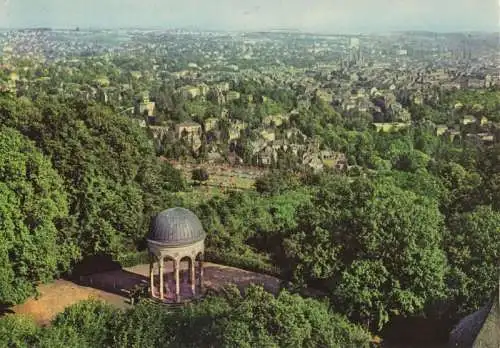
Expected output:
(489, 168)
(472, 245)
(256, 318)
(114, 180)
(33, 204)
(374, 246)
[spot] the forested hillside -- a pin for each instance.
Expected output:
(369, 178)
(417, 235)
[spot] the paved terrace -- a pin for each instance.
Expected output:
(114, 286)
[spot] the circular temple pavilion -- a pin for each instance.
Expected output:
(176, 235)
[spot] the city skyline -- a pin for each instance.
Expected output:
(312, 16)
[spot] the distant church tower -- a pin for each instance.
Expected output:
(355, 55)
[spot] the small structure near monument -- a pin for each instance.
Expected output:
(176, 234)
(480, 329)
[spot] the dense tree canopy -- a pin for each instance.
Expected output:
(113, 178)
(473, 247)
(253, 319)
(348, 237)
(33, 204)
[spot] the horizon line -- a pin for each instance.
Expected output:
(263, 30)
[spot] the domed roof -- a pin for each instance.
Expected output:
(176, 227)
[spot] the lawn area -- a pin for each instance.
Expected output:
(222, 178)
(391, 127)
(215, 186)
(200, 194)
(237, 181)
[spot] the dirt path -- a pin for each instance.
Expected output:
(56, 296)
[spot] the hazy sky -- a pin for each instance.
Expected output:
(314, 15)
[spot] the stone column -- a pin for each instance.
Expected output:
(161, 261)
(201, 275)
(177, 280)
(152, 276)
(192, 266)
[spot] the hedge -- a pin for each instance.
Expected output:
(133, 259)
(254, 263)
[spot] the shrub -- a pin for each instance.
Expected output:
(17, 331)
